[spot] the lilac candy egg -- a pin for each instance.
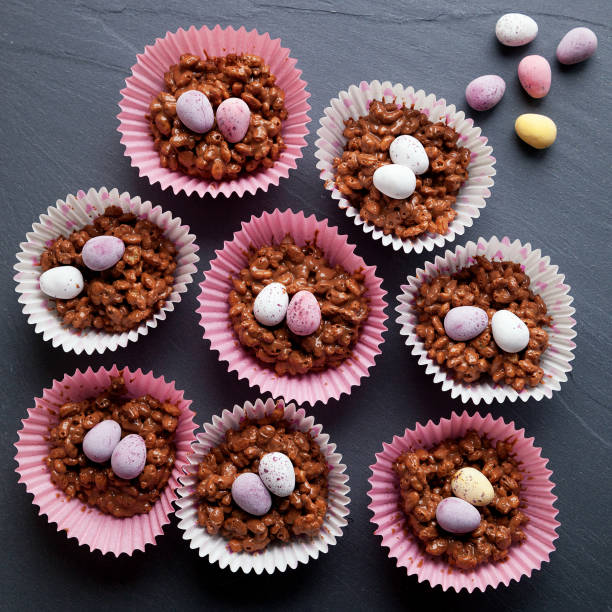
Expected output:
(457, 516)
(465, 322)
(102, 252)
(194, 110)
(129, 457)
(485, 92)
(250, 493)
(62, 282)
(576, 46)
(534, 75)
(233, 118)
(303, 314)
(270, 306)
(100, 441)
(277, 473)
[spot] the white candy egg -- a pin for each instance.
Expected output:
(408, 151)
(271, 304)
(396, 181)
(63, 282)
(515, 29)
(277, 473)
(509, 332)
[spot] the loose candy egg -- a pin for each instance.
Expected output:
(539, 131)
(102, 252)
(233, 118)
(472, 486)
(303, 314)
(515, 29)
(250, 493)
(457, 516)
(485, 92)
(129, 457)
(465, 322)
(100, 441)
(534, 75)
(277, 473)
(270, 306)
(576, 46)
(63, 282)
(408, 151)
(509, 332)
(396, 181)
(195, 111)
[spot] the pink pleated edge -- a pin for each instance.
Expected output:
(147, 80)
(214, 315)
(90, 527)
(524, 558)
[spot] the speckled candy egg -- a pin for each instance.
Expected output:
(408, 151)
(465, 322)
(457, 516)
(472, 486)
(63, 282)
(485, 92)
(538, 131)
(270, 306)
(576, 46)
(194, 110)
(102, 252)
(515, 29)
(100, 441)
(129, 457)
(277, 473)
(509, 332)
(233, 118)
(394, 180)
(534, 75)
(250, 493)
(303, 314)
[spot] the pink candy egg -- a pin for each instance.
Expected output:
(250, 493)
(457, 516)
(277, 473)
(465, 322)
(303, 314)
(270, 306)
(102, 252)
(485, 92)
(100, 441)
(129, 457)
(194, 110)
(534, 75)
(233, 118)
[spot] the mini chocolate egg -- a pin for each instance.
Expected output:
(534, 75)
(485, 91)
(129, 457)
(277, 473)
(250, 493)
(472, 486)
(194, 110)
(102, 252)
(408, 151)
(509, 332)
(100, 441)
(303, 314)
(457, 516)
(233, 118)
(465, 322)
(394, 180)
(538, 131)
(515, 29)
(576, 46)
(270, 306)
(63, 282)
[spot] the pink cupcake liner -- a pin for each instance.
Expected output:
(537, 496)
(88, 525)
(214, 310)
(277, 556)
(545, 281)
(147, 81)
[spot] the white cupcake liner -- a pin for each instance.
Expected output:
(355, 103)
(74, 213)
(277, 556)
(545, 281)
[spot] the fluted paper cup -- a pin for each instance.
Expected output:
(536, 497)
(355, 103)
(545, 281)
(72, 214)
(147, 81)
(277, 556)
(214, 309)
(91, 527)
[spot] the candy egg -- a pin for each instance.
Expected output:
(515, 29)
(303, 314)
(509, 332)
(534, 75)
(465, 322)
(394, 180)
(129, 457)
(100, 441)
(457, 516)
(102, 252)
(576, 46)
(408, 151)
(194, 110)
(233, 118)
(485, 92)
(250, 493)
(63, 282)
(472, 486)
(270, 306)
(277, 473)
(539, 131)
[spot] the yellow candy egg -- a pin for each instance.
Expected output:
(539, 131)
(472, 486)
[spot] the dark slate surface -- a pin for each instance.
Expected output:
(63, 64)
